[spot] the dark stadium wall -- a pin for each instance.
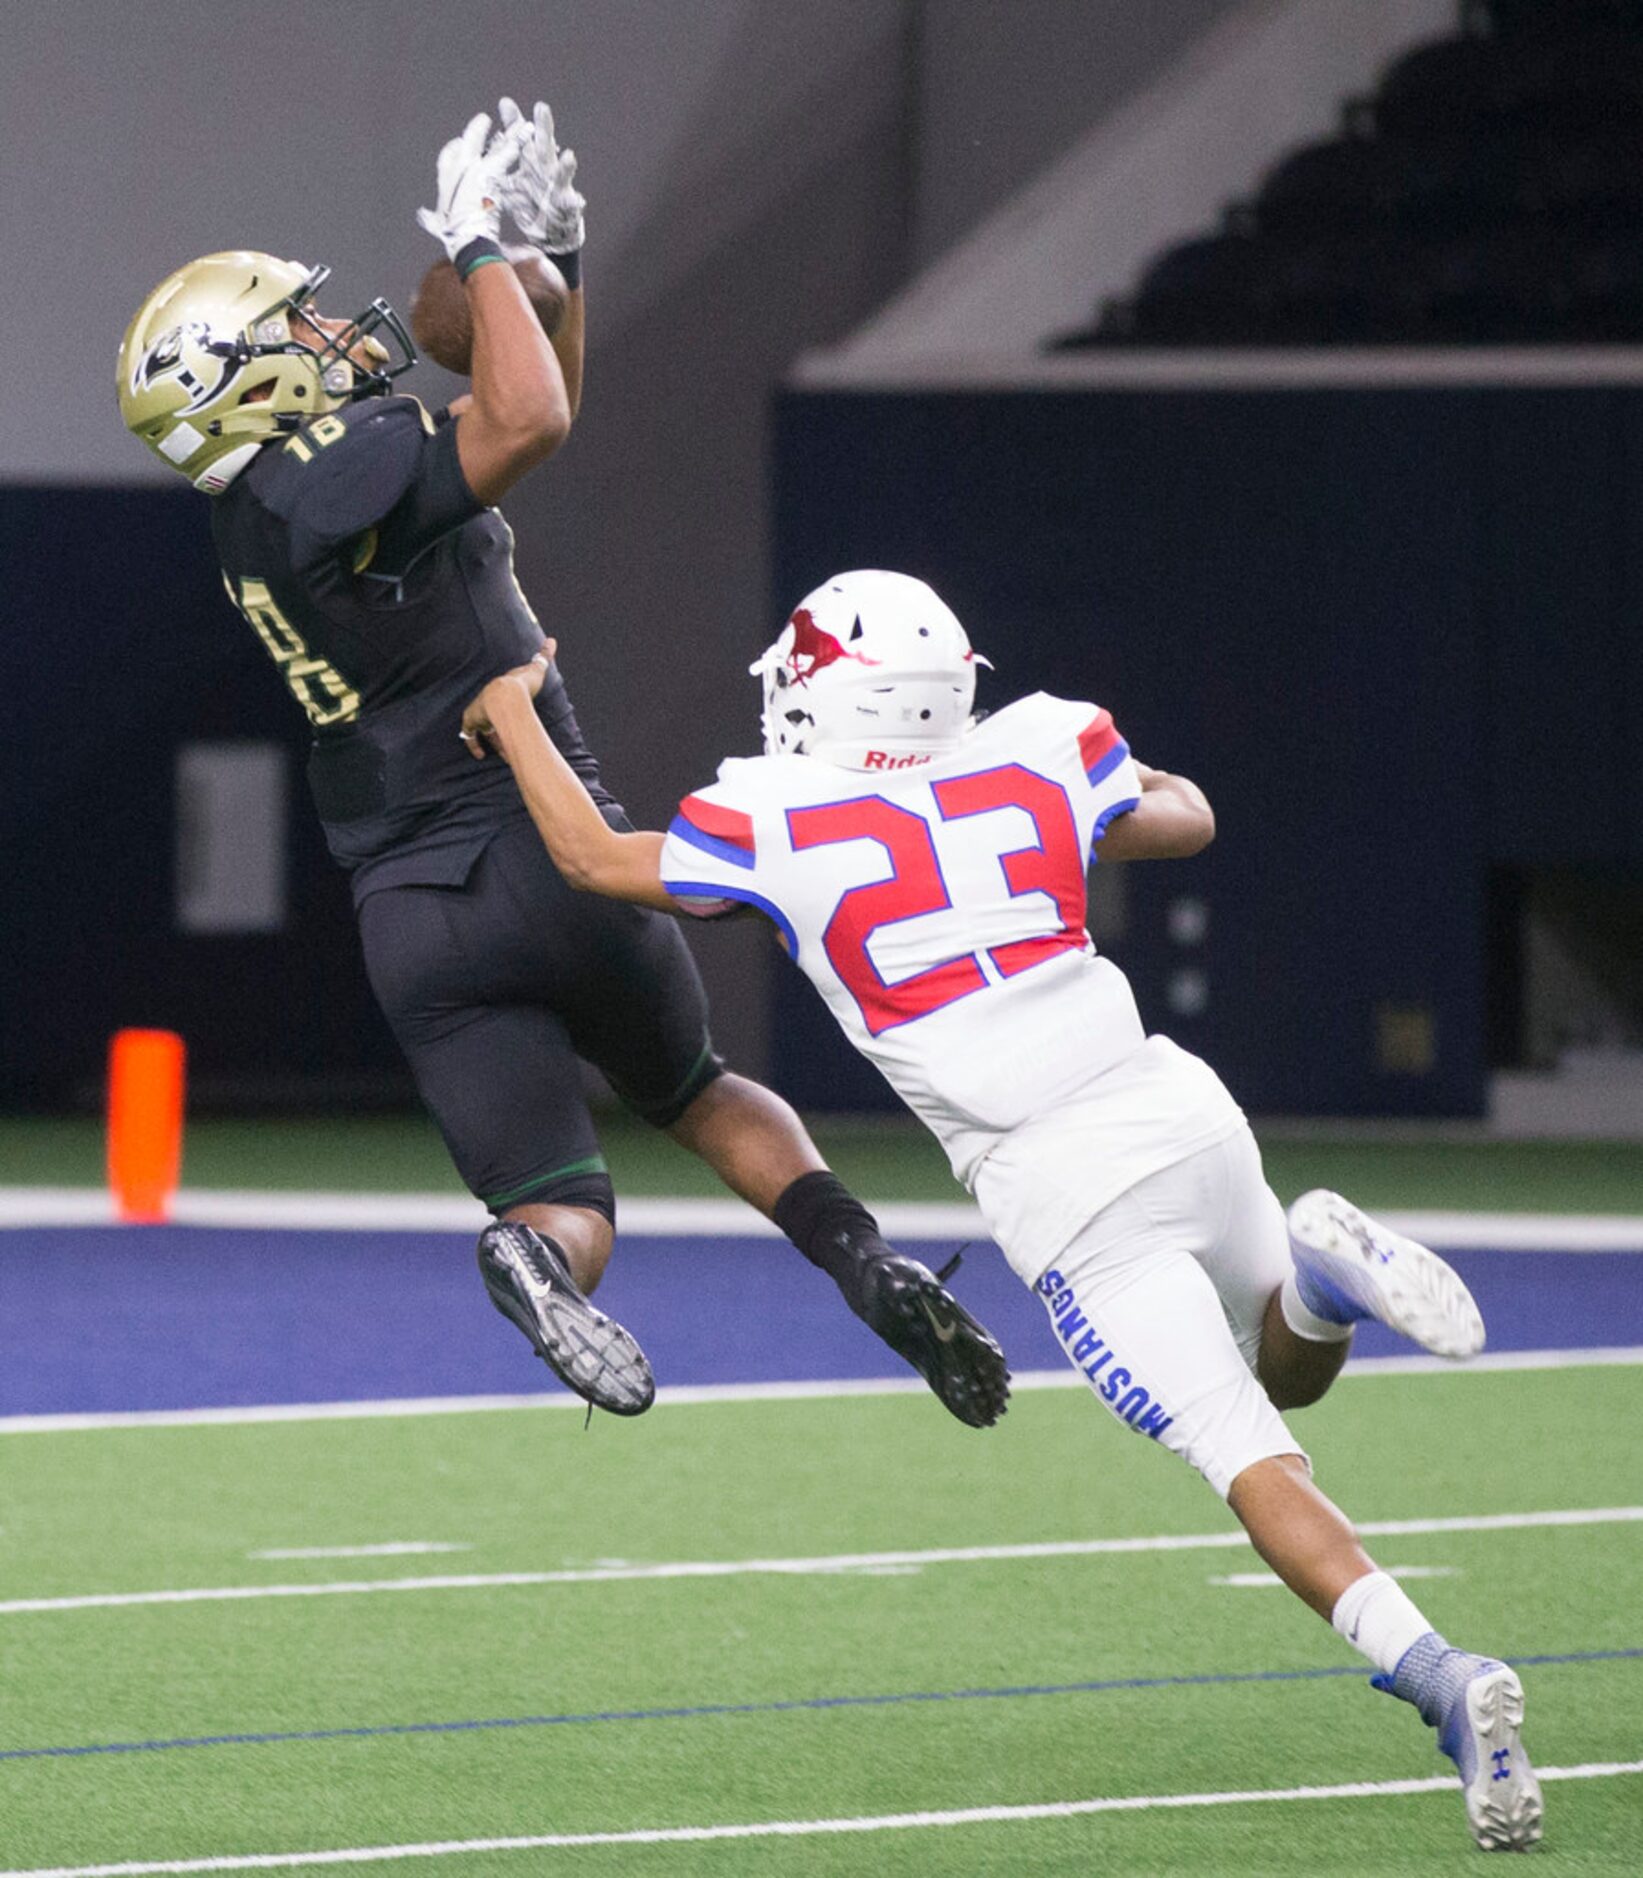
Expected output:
(1390, 632)
(118, 652)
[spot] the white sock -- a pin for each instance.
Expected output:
(1375, 1616)
(1308, 1324)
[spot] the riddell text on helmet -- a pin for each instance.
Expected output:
(883, 759)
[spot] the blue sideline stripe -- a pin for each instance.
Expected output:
(709, 1709)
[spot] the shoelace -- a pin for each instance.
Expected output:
(543, 1269)
(954, 1262)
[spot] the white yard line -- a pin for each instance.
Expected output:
(394, 1407)
(1493, 1361)
(729, 1219)
(396, 1548)
(1269, 1581)
(824, 1564)
(695, 1394)
(799, 1828)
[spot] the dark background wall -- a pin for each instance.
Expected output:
(119, 651)
(1391, 632)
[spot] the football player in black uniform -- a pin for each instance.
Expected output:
(359, 540)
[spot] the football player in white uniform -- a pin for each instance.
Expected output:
(927, 873)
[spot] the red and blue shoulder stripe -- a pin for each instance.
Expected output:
(723, 832)
(1101, 747)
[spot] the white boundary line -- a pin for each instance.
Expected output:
(687, 1395)
(730, 1219)
(1599, 1356)
(798, 1828)
(802, 1567)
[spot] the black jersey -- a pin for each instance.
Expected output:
(386, 594)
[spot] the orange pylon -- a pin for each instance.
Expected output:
(145, 1122)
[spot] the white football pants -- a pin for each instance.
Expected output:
(1159, 1303)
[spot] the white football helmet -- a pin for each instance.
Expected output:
(871, 671)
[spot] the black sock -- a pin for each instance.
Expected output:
(832, 1228)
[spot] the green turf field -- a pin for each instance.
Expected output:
(163, 1508)
(885, 1157)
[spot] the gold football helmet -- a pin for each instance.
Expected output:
(209, 370)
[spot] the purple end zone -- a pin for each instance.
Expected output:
(122, 1318)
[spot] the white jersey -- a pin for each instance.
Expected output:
(939, 908)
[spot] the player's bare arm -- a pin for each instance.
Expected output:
(589, 854)
(520, 411)
(567, 342)
(541, 196)
(1172, 820)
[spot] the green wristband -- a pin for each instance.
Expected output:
(476, 253)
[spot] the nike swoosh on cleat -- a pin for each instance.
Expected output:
(945, 1331)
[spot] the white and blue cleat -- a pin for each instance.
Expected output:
(1480, 1735)
(1349, 1266)
(1476, 1705)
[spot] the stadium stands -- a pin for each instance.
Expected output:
(1488, 192)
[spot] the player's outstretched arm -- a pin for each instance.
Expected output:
(588, 853)
(540, 194)
(520, 411)
(1172, 820)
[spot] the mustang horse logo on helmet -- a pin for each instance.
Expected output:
(817, 646)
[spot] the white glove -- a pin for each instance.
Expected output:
(471, 172)
(540, 190)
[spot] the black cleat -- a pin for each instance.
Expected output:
(530, 1283)
(922, 1321)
